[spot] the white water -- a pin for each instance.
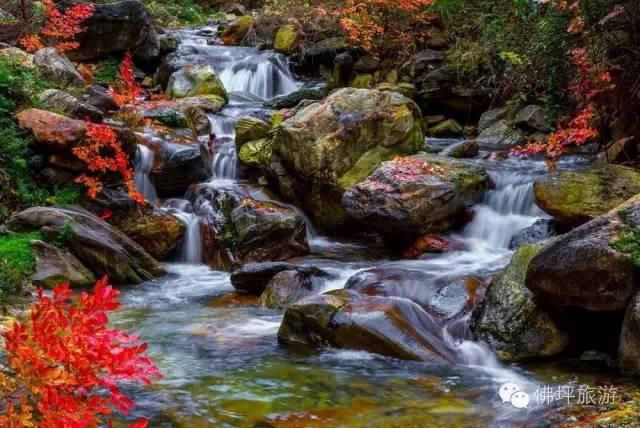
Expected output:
(143, 165)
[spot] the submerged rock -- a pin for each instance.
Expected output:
(576, 197)
(99, 246)
(252, 278)
(56, 266)
(510, 320)
(416, 195)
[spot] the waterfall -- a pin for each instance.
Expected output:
(190, 249)
(143, 165)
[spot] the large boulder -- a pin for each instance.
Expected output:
(592, 267)
(53, 132)
(575, 197)
(178, 169)
(55, 266)
(416, 195)
(329, 146)
(196, 80)
(629, 348)
(100, 247)
(56, 67)
(511, 321)
(66, 103)
(100, 98)
(115, 28)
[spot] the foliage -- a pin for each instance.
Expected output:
(16, 263)
(629, 243)
(59, 28)
(64, 363)
(171, 14)
(64, 195)
(106, 71)
(126, 90)
(172, 118)
(102, 153)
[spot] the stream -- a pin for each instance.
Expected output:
(219, 354)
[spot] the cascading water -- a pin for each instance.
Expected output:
(143, 165)
(190, 250)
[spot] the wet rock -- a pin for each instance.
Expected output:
(584, 268)
(431, 244)
(56, 266)
(286, 39)
(252, 278)
(178, 170)
(331, 145)
(115, 28)
(99, 97)
(345, 319)
(168, 43)
(500, 135)
(195, 80)
(56, 67)
(294, 98)
(511, 321)
(575, 197)
(366, 64)
(532, 118)
(491, 117)
(539, 231)
(461, 150)
(629, 349)
(69, 105)
(623, 150)
(288, 287)
(448, 128)
(250, 129)
(416, 195)
(236, 32)
(53, 132)
(99, 246)
(322, 54)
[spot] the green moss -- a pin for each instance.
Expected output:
(629, 243)
(16, 263)
(107, 71)
(170, 13)
(256, 153)
(172, 118)
(286, 39)
(65, 195)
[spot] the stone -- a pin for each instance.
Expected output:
(237, 31)
(195, 80)
(500, 135)
(178, 170)
(491, 117)
(99, 97)
(322, 54)
(286, 39)
(294, 98)
(576, 197)
(532, 118)
(250, 129)
(539, 231)
(417, 195)
(252, 278)
(56, 67)
(53, 132)
(448, 128)
(461, 150)
(99, 246)
(56, 266)
(18, 55)
(629, 348)
(511, 321)
(366, 64)
(69, 105)
(288, 287)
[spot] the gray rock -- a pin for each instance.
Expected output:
(461, 150)
(100, 98)
(55, 266)
(533, 118)
(539, 231)
(288, 287)
(492, 116)
(295, 97)
(56, 67)
(179, 170)
(69, 105)
(500, 135)
(629, 348)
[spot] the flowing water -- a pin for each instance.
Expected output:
(219, 354)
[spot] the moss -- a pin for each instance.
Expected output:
(363, 81)
(286, 39)
(256, 153)
(170, 13)
(107, 71)
(172, 118)
(629, 243)
(17, 262)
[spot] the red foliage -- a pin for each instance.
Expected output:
(127, 91)
(59, 27)
(102, 152)
(64, 363)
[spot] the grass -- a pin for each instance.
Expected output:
(17, 262)
(174, 14)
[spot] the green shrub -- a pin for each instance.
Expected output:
(16, 263)
(107, 71)
(172, 14)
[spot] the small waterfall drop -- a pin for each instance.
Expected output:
(143, 165)
(190, 250)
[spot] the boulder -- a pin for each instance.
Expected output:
(252, 278)
(56, 266)
(196, 80)
(178, 170)
(500, 135)
(532, 118)
(462, 149)
(490, 117)
(100, 247)
(69, 105)
(99, 97)
(117, 27)
(250, 129)
(294, 98)
(322, 54)
(448, 128)
(329, 146)
(629, 348)
(286, 39)
(56, 67)
(288, 287)
(53, 132)
(416, 195)
(511, 321)
(593, 266)
(366, 64)
(575, 197)
(431, 244)
(236, 32)
(18, 55)
(539, 231)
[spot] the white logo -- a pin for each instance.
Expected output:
(511, 393)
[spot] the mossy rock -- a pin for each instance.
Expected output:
(286, 39)
(196, 80)
(362, 81)
(448, 128)
(576, 197)
(256, 153)
(510, 319)
(250, 129)
(237, 31)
